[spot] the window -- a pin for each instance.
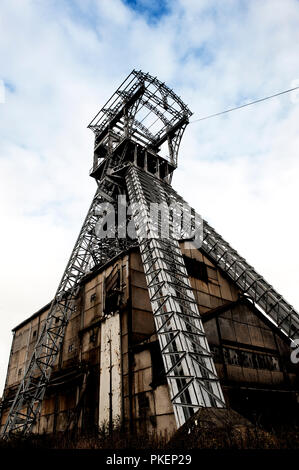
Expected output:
(215, 350)
(112, 292)
(93, 337)
(196, 268)
(71, 348)
(158, 371)
(250, 359)
(93, 297)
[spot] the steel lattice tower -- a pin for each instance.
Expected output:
(131, 132)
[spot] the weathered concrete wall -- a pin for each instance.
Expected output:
(110, 372)
(151, 401)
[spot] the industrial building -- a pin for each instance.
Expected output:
(110, 368)
(143, 332)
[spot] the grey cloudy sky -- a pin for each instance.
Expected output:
(60, 62)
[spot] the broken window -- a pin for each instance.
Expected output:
(215, 350)
(158, 370)
(196, 268)
(250, 359)
(112, 292)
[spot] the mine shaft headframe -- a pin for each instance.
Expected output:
(144, 110)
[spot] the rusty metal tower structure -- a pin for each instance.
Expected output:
(137, 138)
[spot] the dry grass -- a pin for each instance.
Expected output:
(225, 438)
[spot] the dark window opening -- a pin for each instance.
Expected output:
(163, 169)
(268, 408)
(195, 268)
(151, 164)
(215, 350)
(112, 292)
(158, 370)
(246, 359)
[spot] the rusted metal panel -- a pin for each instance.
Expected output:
(163, 404)
(142, 323)
(138, 279)
(135, 262)
(256, 336)
(142, 380)
(242, 333)
(211, 332)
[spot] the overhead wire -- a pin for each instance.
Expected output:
(244, 105)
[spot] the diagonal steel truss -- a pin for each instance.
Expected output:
(265, 297)
(88, 251)
(189, 366)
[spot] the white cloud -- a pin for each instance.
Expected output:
(63, 61)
